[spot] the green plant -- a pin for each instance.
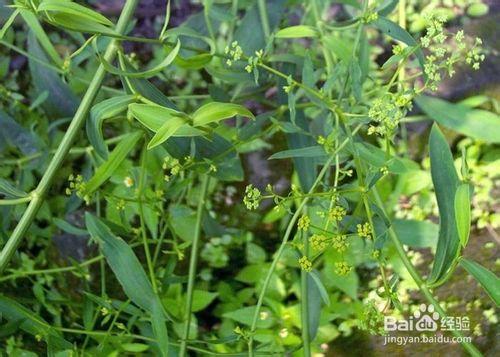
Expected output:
(155, 204)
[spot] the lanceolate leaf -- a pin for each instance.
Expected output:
(104, 172)
(129, 272)
(398, 33)
(9, 190)
(80, 24)
(445, 179)
(152, 116)
(462, 212)
(104, 110)
(478, 124)
(74, 9)
(297, 32)
(215, 112)
(166, 131)
(489, 281)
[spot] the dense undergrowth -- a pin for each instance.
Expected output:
(265, 178)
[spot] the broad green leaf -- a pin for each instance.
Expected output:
(416, 234)
(152, 116)
(72, 8)
(9, 190)
(298, 31)
(245, 316)
(131, 276)
(478, 124)
(398, 33)
(445, 180)
(146, 73)
(214, 112)
(104, 110)
(31, 322)
(104, 172)
(201, 299)
(489, 281)
(166, 131)
(462, 212)
(310, 151)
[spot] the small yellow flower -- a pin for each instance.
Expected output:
(365, 230)
(304, 223)
(342, 268)
(305, 264)
(319, 242)
(340, 243)
(337, 213)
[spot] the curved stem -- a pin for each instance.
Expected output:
(192, 267)
(74, 128)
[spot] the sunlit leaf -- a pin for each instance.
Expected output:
(214, 112)
(297, 32)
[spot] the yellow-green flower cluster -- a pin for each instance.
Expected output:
(475, 55)
(173, 165)
(337, 213)
(252, 197)
(77, 185)
(303, 223)
(234, 51)
(364, 230)
(305, 264)
(319, 242)
(387, 111)
(254, 61)
(340, 242)
(342, 268)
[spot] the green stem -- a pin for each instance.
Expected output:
(280, 250)
(264, 19)
(74, 128)
(15, 201)
(192, 267)
(304, 301)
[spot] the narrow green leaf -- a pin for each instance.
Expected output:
(146, 73)
(35, 27)
(8, 23)
(398, 33)
(131, 275)
(166, 131)
(104, 172)
(478, 124)
(74, 9)
(310, 151)
(313, 306)
(462, 212)
(214, 112)
(104, 110)
(31, 322)
(445, 180)
(321, 288)
(489, 281)
(298, 31)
